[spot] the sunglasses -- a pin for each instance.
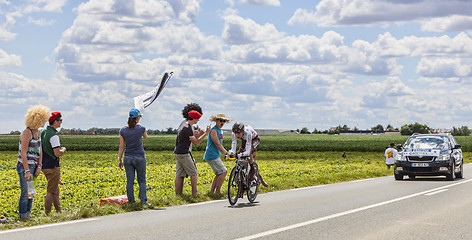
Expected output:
(59, 120)
(220, 120)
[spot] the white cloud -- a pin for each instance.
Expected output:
(448, 24)
(98, 47)
(41, 21)
(9, 60)
(303, 17)
(446, 68)
(370, 12)
(238, 30)
(263, 2)
(6, 35)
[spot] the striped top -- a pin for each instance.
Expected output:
(33, 152)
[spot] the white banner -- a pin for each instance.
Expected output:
(143, 101)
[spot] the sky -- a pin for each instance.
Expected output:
(272, 64)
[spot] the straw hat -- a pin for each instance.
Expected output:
(220, 116)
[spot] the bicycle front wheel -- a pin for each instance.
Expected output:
(233, 186)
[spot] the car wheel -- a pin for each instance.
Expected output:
(461, 171)
(398, 176)
(412, 176)
(450, 176)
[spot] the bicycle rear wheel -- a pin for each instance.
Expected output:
(251, 196)
(233, 186)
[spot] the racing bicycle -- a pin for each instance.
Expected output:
(239, 181)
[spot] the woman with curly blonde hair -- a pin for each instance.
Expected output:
(30, 155)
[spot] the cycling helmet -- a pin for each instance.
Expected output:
(238, 127)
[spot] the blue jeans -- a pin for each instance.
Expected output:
(24, 205)
(134, 164)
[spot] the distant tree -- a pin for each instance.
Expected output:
(15, 133)
(315, 131)
(462, 131)
(171, 131)
(414, 128)
(304, 131)
(378, 129)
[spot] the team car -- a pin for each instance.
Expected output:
(430, 155)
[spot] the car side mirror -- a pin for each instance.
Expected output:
(457, 146)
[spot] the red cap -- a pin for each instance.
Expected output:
(194, 114)
(54, 116)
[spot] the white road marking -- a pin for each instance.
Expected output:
(46, 226)
(440, 191)
(305, 188)
(317, 220)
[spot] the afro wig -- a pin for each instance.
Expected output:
(190, 107)
(37, 116)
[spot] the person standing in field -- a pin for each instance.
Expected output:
(213, 150)
(52, 150)
(135, 160)
(30, 157)
(185, 163)
(390, 155)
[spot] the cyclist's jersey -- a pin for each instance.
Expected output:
(248, 134)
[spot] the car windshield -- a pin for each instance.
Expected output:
(426, 142)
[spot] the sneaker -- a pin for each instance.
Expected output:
(3, 219)
(146, 204)
(253, 186)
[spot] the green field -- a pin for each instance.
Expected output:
(90, 170)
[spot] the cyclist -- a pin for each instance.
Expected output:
(248, 148)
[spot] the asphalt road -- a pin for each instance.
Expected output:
(378, 208)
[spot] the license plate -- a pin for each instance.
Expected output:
(420, 164)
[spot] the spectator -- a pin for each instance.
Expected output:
(52, 150)
(185, 163)
(214, 149)
(390, 155)
(135, 160)
(30, 157)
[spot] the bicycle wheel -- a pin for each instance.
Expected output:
(233, 186)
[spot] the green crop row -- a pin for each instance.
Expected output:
(301, 142)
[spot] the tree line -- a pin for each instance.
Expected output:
(407, 129)
(103, 131)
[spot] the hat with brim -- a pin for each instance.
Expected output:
(220, 116)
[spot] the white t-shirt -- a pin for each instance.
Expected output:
(390, 156)
(54, 140)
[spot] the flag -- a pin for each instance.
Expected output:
(143, 101)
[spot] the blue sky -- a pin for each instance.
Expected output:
(267, 63)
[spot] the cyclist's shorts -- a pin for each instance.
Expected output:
(254, 144)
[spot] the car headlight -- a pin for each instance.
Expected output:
(444, 157)
(401, 157)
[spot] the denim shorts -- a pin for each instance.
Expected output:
(217, 166)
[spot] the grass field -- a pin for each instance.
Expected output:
(90, 175)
